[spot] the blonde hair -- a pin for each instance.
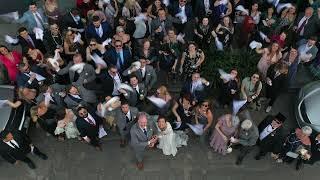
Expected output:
(163, 91)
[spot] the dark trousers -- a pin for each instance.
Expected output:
(94, 141)
(244, 150)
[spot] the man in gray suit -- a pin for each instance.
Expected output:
(85, 76)
(163, 23)
(308, 50)
(143, 135)
(54, 93)
(126, 118)
(135, 98)
(248, 137)
(79, 96)
(34, 17)
(306, 24)
(146, 74)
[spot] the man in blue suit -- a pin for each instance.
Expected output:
(34, 18)
(119, 56)
(98, 30)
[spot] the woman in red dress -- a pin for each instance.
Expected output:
(10, 59)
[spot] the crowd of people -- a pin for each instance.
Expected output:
(97, 67)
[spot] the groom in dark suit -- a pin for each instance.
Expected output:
(88, 124)
(14, 147)
(271, 135)
(143, 135)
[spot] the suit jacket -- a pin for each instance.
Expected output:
(68, 21)
(273, 142)
(87, 129)
(150, 78)
(91, 32)
(198, 94)
(139, 141)
(25, 45)
(87, 96)
(310, 28)
(58, 101)
(313, 51)
(22, 81)
(87, 73)
(111, 56)
(12, 154)
(200, 11)
(279, 83)
(123, 125)
(30, 21)
(250, 137)
(103, 85)
(168, 23)
(134, 97)
(174, 9)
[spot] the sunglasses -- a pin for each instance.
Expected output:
(118, 45)
(92, 44)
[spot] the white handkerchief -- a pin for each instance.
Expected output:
(196, 128)
(10, 39)
(236, 105)
(166, 2)
(38, 76)
(182, 16)
(77, 38)
(180, 37)
(218, 44)
(157, 101)
(98, 60)
(178, 124)
(39, 33)
(283, 5)
(242, 9)
(140, 17)
(78, 67)
(102, 132)
(255, 44)
(262, 35)
(3, 103)
(12, 16)
(136, 64)
(224, 75)
(106, 42)
(125, 87)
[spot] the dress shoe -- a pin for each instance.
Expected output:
(140, 165)
(42, 155)
(98, 148)
(239, 161)
(31, 165)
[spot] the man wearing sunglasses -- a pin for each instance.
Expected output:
(119, 56)
(271, 135)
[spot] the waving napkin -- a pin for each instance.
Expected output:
(39, 33)
(157, 101)
(77, 67)
(136, 64)
(236, 105)
(98, 60)
(255, 44)
(3, 103)
(12, 16)
(224, 75)
(10, 39)
(77, 38)
(125, 86)
(196, 128)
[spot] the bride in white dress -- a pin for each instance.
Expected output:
(169, 140)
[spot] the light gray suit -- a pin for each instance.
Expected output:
(124, 127)
(133, 97)
(150, 76)
(29, 19)
(87, 96)
(88, 73)
(139, 141)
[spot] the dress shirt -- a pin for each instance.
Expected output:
(266, 132)
(91, 118)
(136, 88)
(75, 96)
(129, 115)
(143, 71)
(302, 23)
(99, 31)
(38, 19)
(10, 143)
(116, 84)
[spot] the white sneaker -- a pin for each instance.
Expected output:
(268, 109)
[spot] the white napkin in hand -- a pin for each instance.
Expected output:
(12, 16)
(262, 35)
(102, 132)
(77, 38)
(106, 42)
(236, 105)
(77, 67)
(10, 39)
(157, 101)
(182, 16)
(98, 60)
(3, 103)
(196, 128)
(219, 44)
(39, 33)
(255, 44)
(223, 75)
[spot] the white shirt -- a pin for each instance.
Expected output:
(206, 5)
(300, 24)
(129, 115)
(38, 19)
(99, 31)
(143, 71)
(12, 142)
(136, 88)
(38, 76)
(266, 132)
(75, 96)
(91, 118)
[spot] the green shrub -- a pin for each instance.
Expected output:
(244, 61)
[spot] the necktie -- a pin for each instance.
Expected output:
(119, 61)
(99, 32)
(302, 26)
(145, 132)
(143, 73)
(30, 43)
(36, 15)
(14, 145)
(90, 121)
(127, 119)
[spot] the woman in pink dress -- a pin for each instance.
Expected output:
(226, 127)
(10, 59)
(270, 56)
